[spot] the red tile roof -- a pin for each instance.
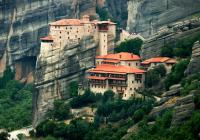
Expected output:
(159, 60)
(47, 38)
(67, 22)
(96, 78)
(123, 56)
(116, 69)
(78, 22)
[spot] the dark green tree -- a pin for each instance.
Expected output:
(4, 136)
(61, 110)
(131, 46)
(73, 89)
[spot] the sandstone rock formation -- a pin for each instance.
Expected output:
(118, 10)
(169, 35)
(23, 23)
(173, 91)
(147, 16)
(194, 65)
(183, 110)
(57, 70)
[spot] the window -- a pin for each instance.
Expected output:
(66, 28)
(136, 64)
(68, 37)
(130, 88)
(132, 82)
(129, 64)
(60, 32)
(60, 37)
(67, 32)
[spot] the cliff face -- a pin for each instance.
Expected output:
(194, 65)
(118, 10)
(23, 23)
(147, 16)
(170, 35)
(55, 71)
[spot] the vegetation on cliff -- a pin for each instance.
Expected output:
(111, 114)
(177, 73)
(15, 102)
(182, 48)
(131, 46)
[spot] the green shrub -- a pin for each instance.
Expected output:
(181, 48)
(73, 89)
(82, 100)
(131, 46)
(177, 73)
(154, 76)
(60, 111)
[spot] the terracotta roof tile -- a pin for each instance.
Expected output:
(115, 69)
(120, 56)
(159, 60)
(67, 22)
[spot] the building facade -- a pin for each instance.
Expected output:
(119, 59)
(123, 80)
(67, 31)
(153, 62)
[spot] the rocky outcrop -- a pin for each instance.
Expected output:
(55, 71)
(170, 35)
(173, 91)
(194, 65)
(148, 16)
(168, 101)
(23, 23)
(184, 108)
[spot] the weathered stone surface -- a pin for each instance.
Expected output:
(159, 110)
(118, 10)
(148, 16)
(194, 65)
(132, 130)
(54, 73)
(173, 91)
(183, 110)
(152, 47)
(24, 22)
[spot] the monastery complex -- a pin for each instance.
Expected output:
(124, 72)
(67, 31)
